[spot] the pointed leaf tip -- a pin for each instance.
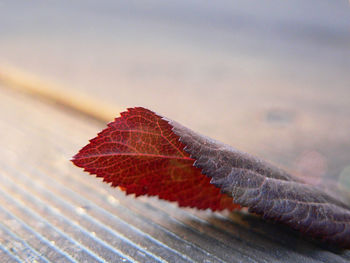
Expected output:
(139, 152)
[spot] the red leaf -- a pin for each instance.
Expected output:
(145, 154)
(139, 153)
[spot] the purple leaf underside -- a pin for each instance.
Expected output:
(267, 190)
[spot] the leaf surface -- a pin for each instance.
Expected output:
(146, 154)
(139, 153)
(268, 190)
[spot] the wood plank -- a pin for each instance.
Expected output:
(37, 178)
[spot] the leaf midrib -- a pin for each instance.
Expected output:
(134, 154)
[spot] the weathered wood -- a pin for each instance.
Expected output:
(271, 79)
(63, 214)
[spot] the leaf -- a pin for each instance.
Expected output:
(267, 190)
(139, 153)
(145, 154)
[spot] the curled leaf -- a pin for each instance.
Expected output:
(146, 154)
(139, 153)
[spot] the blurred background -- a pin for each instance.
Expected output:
(269, 77)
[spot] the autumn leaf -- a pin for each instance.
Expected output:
(146, 154)
(139, 153)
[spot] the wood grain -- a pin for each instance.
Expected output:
(64, 215)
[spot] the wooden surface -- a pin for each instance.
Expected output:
(268, 78)
(52, 211)
(253, 74)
